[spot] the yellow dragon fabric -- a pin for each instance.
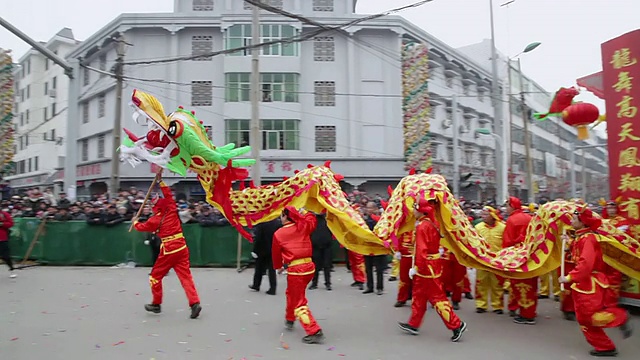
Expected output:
(317, 189)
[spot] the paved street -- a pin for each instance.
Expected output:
(97, 313)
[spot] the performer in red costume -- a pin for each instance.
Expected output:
(566, 299)
(356, 261)
(405, 256)
(292, 246)
(590, 287)
(174, 253)
(612, 212)
(426, 273)
(523, 293)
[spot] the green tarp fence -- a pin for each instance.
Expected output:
(76, 243)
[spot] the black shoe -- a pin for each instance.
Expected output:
(288, 324)
(400, 304)
(513, 313)
(156, 309)
(607, 353)
(569, 316)
(456, 306)
(254, 288)
(498, 311)
(316, 338)
(468, 296)
(368, 291)
(329, 288)
(380, 292)
(195, 310)
(556, 298)
(457, 333)
(356, 284)
(524, 321)
(271, 292)
(481, 311)
(543, 296)
(408, 328)
(393, 278)
(313, 287)
(627, 330)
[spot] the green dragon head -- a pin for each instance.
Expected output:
(176, 141)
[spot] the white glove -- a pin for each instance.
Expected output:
(441, 250)
(146, 242)
(254, 255)
(412, 272)
(624, 228)
(398, 255)
(563, 280)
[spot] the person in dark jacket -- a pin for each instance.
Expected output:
(112, 218)
(95, 217)
(322, 255)
(262, 241)
(209, 218)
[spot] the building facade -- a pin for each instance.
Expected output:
(40, 114)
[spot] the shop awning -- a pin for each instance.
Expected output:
(593, 83)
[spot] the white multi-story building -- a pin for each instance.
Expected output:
(550, 142)
(337, 96)
(40, 116)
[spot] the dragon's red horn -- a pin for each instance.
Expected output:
(412, 171)
(389, 190)
(328, 164)
(338, 177)
(309, 166)
(296, 171)
(285, 178)
(429, 170)
(384, 204)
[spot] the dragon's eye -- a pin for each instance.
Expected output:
(173, 128)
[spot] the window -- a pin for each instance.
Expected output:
(46, 114)
(46, 88)
(87, 77)
(238, 36)
(280, 135)
(29, 165)
(85, 149)
(201, 93)
(28, 91)
(202, 45)
(27, 116)
(103, 64)
(481, 95)
(85, 112)
(322, 5)
(53, 110)
(448, 80)
(35, 163)
(325, 93)
(202, 5)
(46, 64)
(101, 105)
(325, 138)
(53, 134)
(54, 82)
(273, 3)
(276, 134)
(324, 48)
(281, 87)
(465, 89)
(28, 66)
(22, 119)
(100, 146)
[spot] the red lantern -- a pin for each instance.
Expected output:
(580, 115)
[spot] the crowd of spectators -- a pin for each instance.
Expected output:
(100, 210)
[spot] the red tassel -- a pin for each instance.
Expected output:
(181, 107)
(296, 171)
(193, 112)
(412, 171)
(285, 178)
(241, 185)
(252, 184)
(389, 190)
(429, 170)
(328, 164)
(309, 166)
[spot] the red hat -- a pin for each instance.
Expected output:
(586, 216)
(514, 202)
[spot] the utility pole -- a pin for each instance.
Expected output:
(508, 142)
(72, 70)
(255, 138)
(456, 155)
(117, 126)
(498, 117)
(527, 138)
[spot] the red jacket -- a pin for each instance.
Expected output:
(590, 266)
(166, 225)
(516, 229)
(7, 223)
(292, 242)
(427, 254)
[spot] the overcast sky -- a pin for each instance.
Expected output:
(571, 31)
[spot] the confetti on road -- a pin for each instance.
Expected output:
(118, 343)
(14, 339)
(182, 342)
(227, 340)
(331, 348)
(222, 334)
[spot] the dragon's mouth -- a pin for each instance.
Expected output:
(156, 146)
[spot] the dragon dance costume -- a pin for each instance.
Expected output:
(590, 286)
(174, 253)
(292, 246)
(427, 284)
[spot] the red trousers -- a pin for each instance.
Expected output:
(453, 278)
(357, 267)
(593, 315)
(179, 262)
(297, 301)
(566, 298)
(406, 284)
(523, 296)
(430, 290)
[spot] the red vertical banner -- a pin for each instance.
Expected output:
(621, 82)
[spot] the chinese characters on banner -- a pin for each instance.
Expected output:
(621, 80)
